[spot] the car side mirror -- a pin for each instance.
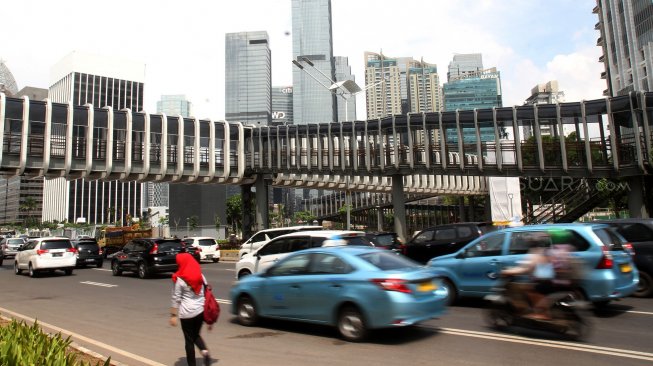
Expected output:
(462, 254)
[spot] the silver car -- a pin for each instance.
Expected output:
(9, 248)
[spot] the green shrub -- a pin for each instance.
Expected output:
(21, 344)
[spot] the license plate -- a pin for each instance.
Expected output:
(90, 260)
(426, 286)
(209, 256)
(56, 254)
(626, 268)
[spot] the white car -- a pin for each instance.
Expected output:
(209, 247)
(278, 248)
(46, 254)
(263, 236)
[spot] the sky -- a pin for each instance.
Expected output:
(182, 43)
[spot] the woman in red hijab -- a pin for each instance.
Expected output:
(188, 304)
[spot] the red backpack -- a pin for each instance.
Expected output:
(211, 306)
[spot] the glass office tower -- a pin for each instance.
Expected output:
(248, 78)
(313, 40)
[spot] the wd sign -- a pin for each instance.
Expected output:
(278, 115)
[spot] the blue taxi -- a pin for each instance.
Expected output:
(608, 269)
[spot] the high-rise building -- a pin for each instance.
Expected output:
(174, 105)
(627, 42)
(248, 78)
(313, 40)
(400, 85)
(347, 101)
(469, 91)
(547, 93)
(464, 64)
(7, 82)
(282, 105)
(83, 78)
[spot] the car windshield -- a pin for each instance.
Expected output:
(206, 242)
(55, 244)
(387, 262)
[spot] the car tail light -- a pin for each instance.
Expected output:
(392, 284)
(606, 260)
(41, 251)
(217, 246)
(155, 249)
(100, 251)
(72, 250)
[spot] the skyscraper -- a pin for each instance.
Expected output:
(347, 102)
(312, 39)
(400, 85)
(282, 105)
(463, 64)
(7, 82)
(83, 78)
(547, 93)
(248, 78)
(627, 43)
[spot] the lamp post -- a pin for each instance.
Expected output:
(510, 195)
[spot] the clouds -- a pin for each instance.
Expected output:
(530, 42)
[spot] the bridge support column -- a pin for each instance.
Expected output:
(636, 198)
(246, 207)
(379, 218)
(399, 206)
(262, 208)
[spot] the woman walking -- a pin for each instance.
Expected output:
(188, 304)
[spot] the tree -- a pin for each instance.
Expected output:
(235, 212)
(302, 217)
(193, 221)
(28, 206)
(218, 224)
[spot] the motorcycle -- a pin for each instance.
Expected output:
(510, 306)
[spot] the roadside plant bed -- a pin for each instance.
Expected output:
(21, 344)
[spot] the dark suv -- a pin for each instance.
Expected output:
(88, 252)
(443, 239)
(639, 232)
(147, 256)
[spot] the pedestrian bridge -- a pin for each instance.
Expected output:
(423, 153)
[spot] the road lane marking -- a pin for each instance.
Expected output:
(83, 338)
(639, 312)
(551, 344)
(102, 269)
(98, 284)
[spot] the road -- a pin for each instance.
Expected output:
(127, 318)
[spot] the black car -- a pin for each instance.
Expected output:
(639, 233)
(385, 240)
(194, 251)
(88, 252)
(146, 256)
(443, 239)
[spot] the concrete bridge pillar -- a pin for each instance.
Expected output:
(379, 218)
(636, 198)
(248, 216)
(262, 207)
(399, 206)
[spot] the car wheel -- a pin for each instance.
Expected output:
(68, 271)
(31, 271)
(16, 269)
(99, 264)
(216, 260)
(452, 293)
(351, 324)
(115, 270)
(645, 286)
(244, 273)
(143, 272)
(246, 311)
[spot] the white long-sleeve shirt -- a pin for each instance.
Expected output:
(188, 303)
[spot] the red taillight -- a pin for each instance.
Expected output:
(606, 260)
(41, 251)
(72, 250)
(100, 251)
(217, 246)
(155, 249)
(392, 284)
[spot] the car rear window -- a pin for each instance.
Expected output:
(206, 242)
(87, 246)
(358, 240)
(609, 238)
(635, 232)
(56, 244)
(387, 262)
(165, 245)
(384, 240)
(15, 241)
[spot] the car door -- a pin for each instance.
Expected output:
(444, 242)
(129, 256)
(417, 249)
(270, 253)
(26, 252)
(281, 292)
(481, 263)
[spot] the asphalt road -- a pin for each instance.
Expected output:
(127, 318)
